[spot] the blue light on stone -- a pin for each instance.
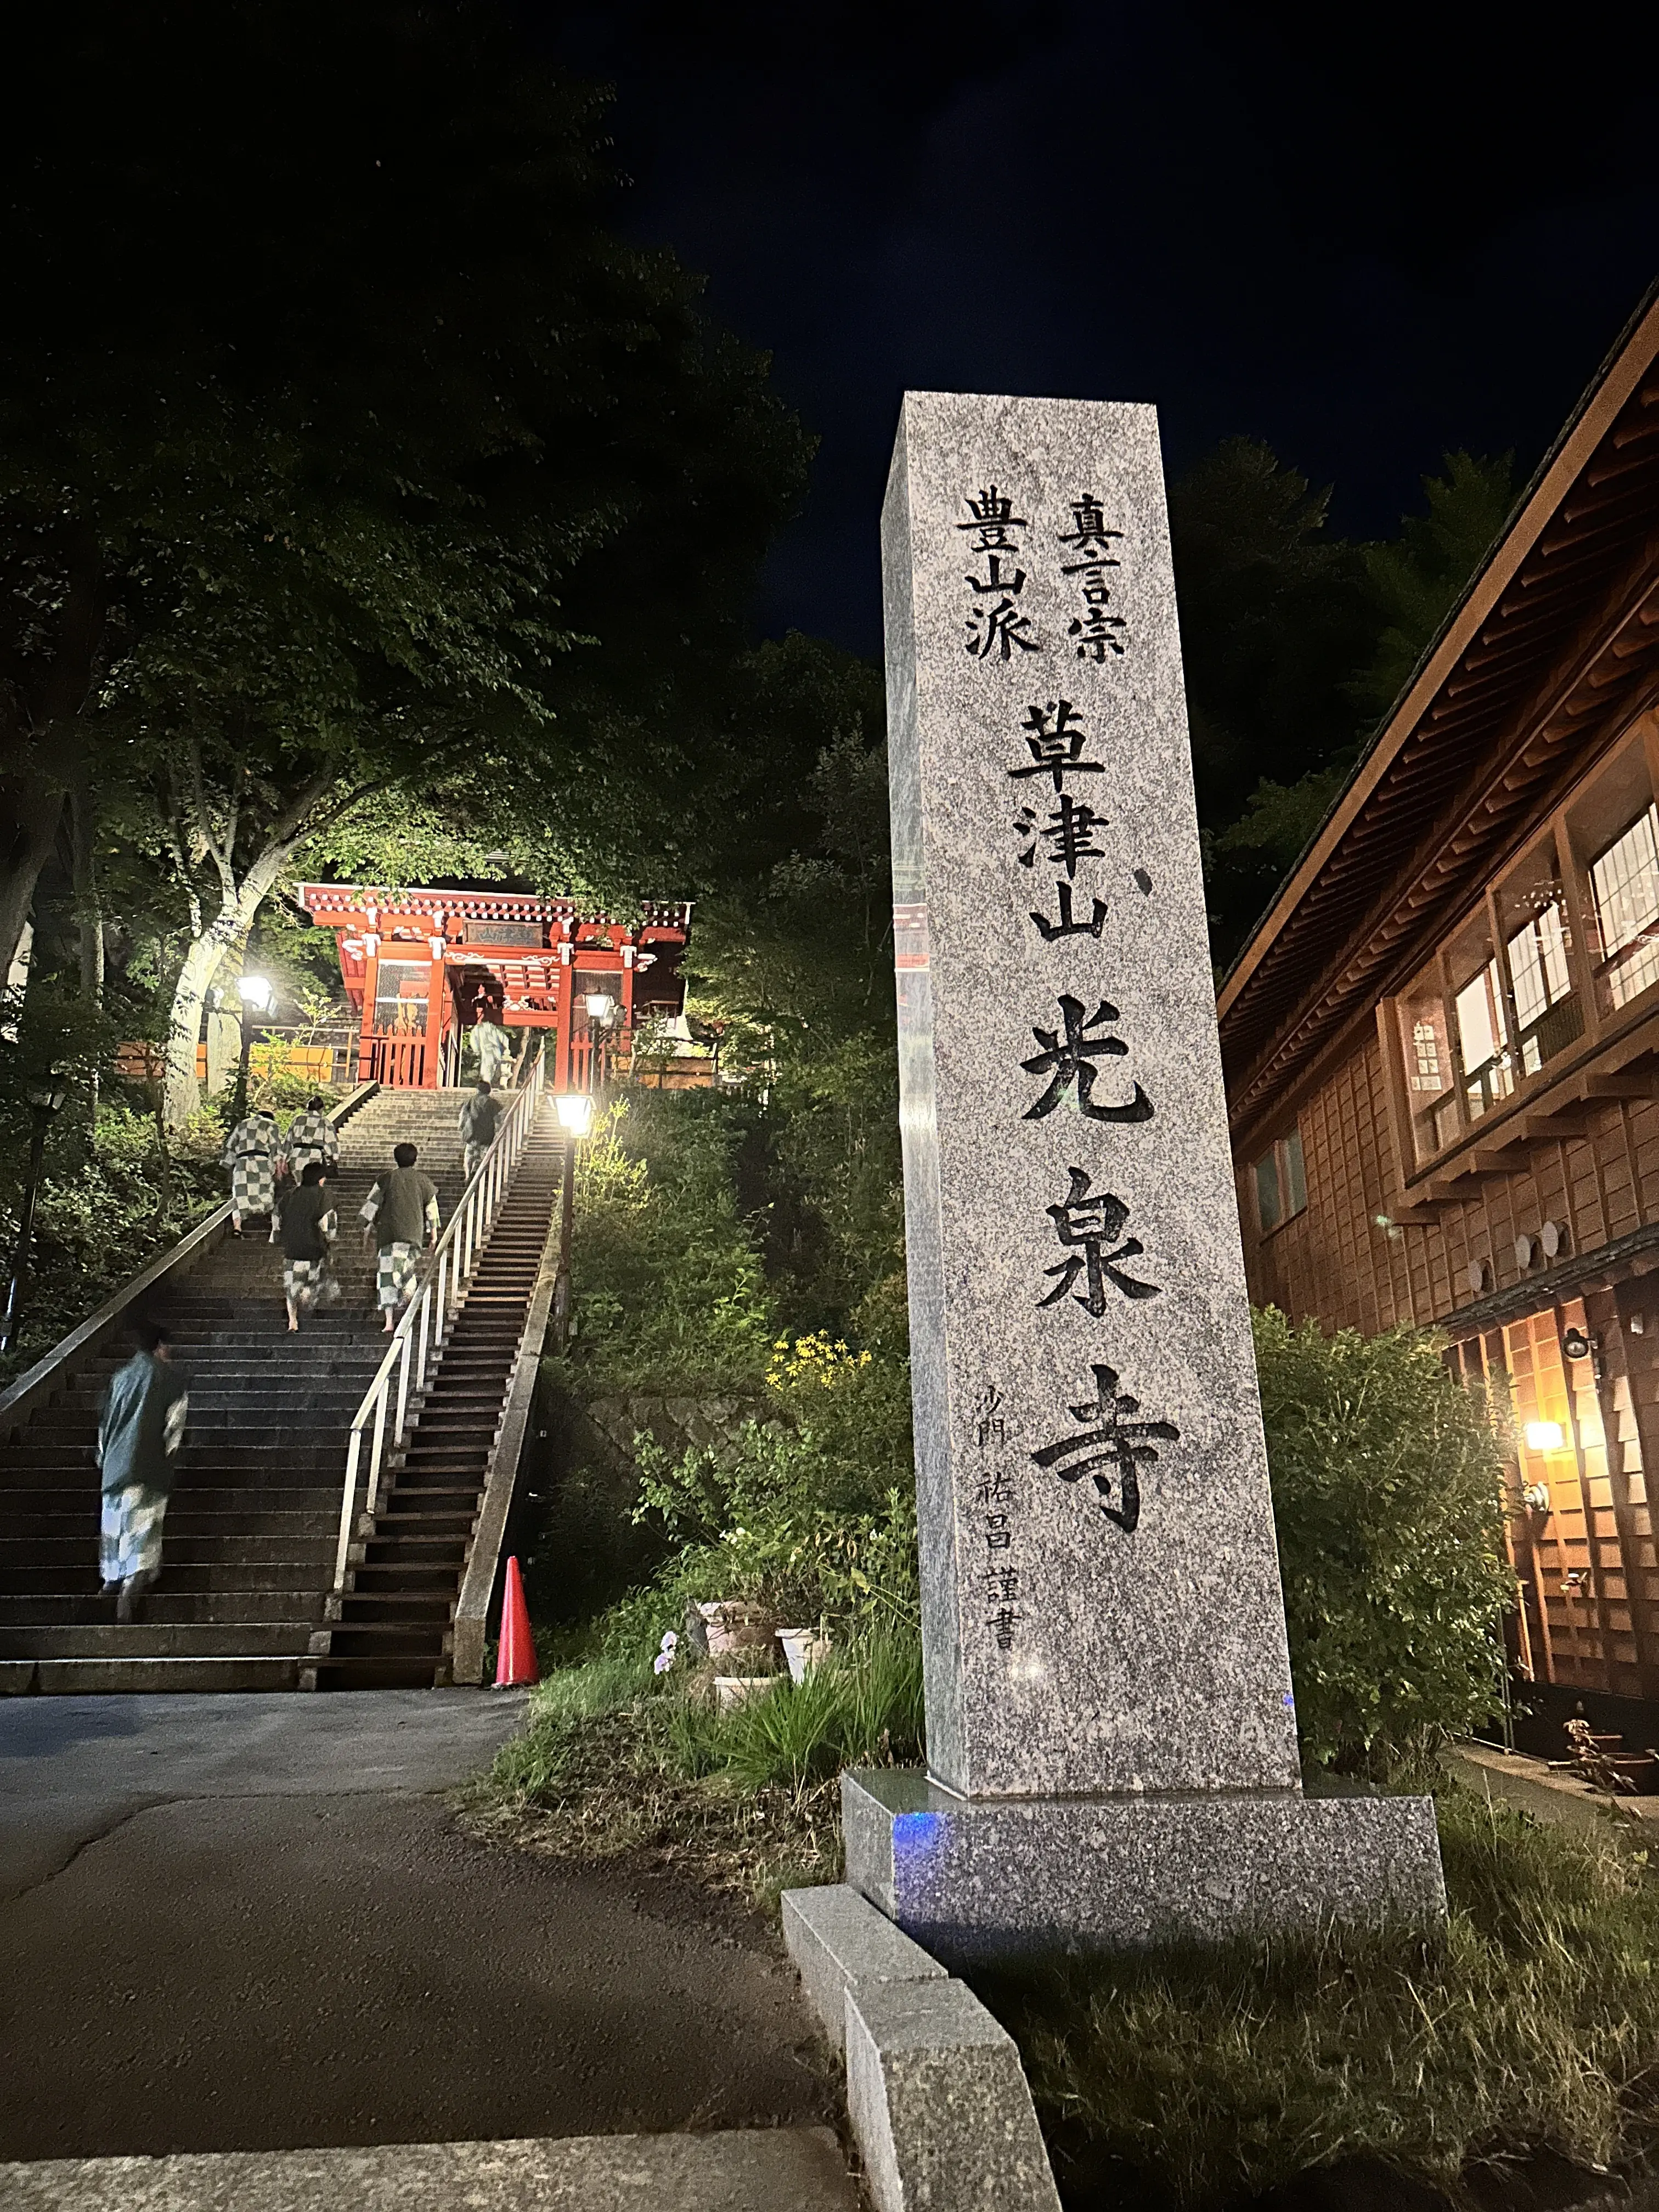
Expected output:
(916, 1834)
(1290, 1703)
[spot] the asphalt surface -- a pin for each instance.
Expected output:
(247, 1924)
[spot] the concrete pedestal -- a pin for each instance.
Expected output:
(974, 1880)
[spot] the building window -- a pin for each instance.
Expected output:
(1624, 884)
(1531, 910)
(1483, 1038)
(1425, 1055)
(1281, 1182)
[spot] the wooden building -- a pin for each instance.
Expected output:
(1442, 1042)
(421, 967)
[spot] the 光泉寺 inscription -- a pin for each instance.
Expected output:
(1070, 1213)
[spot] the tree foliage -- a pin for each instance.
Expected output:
(372, 459)
(1387, 1499)
(1295, 642)
(1417, 578)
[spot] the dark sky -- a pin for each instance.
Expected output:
(1422, 237)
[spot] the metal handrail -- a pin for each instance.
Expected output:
(36, 1386)
(420, 1334)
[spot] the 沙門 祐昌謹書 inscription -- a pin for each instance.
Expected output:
(1101, 1596)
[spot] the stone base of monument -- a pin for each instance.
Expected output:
(937, 2099)
(977, 1880)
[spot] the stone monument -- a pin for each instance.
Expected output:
(1110, 1724)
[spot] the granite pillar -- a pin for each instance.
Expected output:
(1102, 1613)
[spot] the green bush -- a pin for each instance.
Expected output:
(810, 1512)
(1387, 1497)
(667, 1282)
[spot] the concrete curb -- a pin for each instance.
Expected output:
(939, 2102)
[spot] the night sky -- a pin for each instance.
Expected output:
(1424, 238)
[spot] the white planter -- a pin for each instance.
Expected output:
(804, 1649)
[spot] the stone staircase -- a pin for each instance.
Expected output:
(252, 1528)
(393, 1620)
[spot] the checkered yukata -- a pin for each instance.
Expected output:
(407, 1200)
(250, 1153)
(310, 1137)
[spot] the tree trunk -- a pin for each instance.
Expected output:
(89, 897)
(88, 916)
(31, 808)
(229, 929)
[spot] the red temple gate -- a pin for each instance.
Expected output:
(423, 966)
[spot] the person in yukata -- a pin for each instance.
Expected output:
(401, 1213)
(308, 1225)
(311, 1136)
(139, 1432)
(493, 1046)
(250, 1154)
(479, 1115)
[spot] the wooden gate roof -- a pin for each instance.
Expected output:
(1557, 634)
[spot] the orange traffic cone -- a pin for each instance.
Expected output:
(517, 1662)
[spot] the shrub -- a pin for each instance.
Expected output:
(668, 1287)
(1387, 1494)
(809, 1512)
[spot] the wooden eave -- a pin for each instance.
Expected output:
(1557, 636)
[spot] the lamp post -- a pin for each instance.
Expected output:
(575, 1111)
(45, 1098)
(257, 997)
(598, 1005)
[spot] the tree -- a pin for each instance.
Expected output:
(1417, 578)
(797, 959)
(1388, 1497)
(371, 458)
(1295, 642)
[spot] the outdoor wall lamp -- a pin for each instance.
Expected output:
(1543, 1436)
(1536, 1498)
(1575, 1345)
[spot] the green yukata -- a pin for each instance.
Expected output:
(402, 1212)
(138, 1436)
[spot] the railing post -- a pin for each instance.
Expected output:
(426, 1320)
(347, 1503)
(403, 1391)
(373, 1497)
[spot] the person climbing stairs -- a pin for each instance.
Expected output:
(250, 1547)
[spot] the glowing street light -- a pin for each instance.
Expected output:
(258, 996)
(601, 1007)
(1543, 1436)
(576, 1111)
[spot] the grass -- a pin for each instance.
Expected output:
(612, 1762)
(1534, 2026)
(1192, 2078)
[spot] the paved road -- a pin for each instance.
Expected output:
(244, 1923)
